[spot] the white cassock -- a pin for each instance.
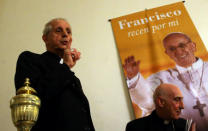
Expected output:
(193, 83)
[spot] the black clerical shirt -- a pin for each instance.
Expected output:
(154, 123)
(64, 106)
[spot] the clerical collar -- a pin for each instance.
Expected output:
(166, 122)
(61, 61)
(196, 65)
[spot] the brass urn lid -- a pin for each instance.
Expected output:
(26, 89)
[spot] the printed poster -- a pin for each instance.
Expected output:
(162, 45)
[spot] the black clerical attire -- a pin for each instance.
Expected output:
(154, 123)
(64, 106)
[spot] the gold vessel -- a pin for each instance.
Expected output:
(25, 107)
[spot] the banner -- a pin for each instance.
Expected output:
(148, 60)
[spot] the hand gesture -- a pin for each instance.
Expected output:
(131, 67)
(71, 56)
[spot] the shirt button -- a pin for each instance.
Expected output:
(84, 110)
(67, 81)
(87, 129)
(73, 85)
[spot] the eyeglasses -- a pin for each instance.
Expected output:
(181, 46)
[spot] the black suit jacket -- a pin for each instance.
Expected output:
(64, 106)
(154, 123)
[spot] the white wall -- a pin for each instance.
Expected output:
(21, 24)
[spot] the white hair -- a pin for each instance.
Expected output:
(48, 25)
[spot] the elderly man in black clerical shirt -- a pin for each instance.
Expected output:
(168, 101)
(64, 106)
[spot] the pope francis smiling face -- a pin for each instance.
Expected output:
(180, 48)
